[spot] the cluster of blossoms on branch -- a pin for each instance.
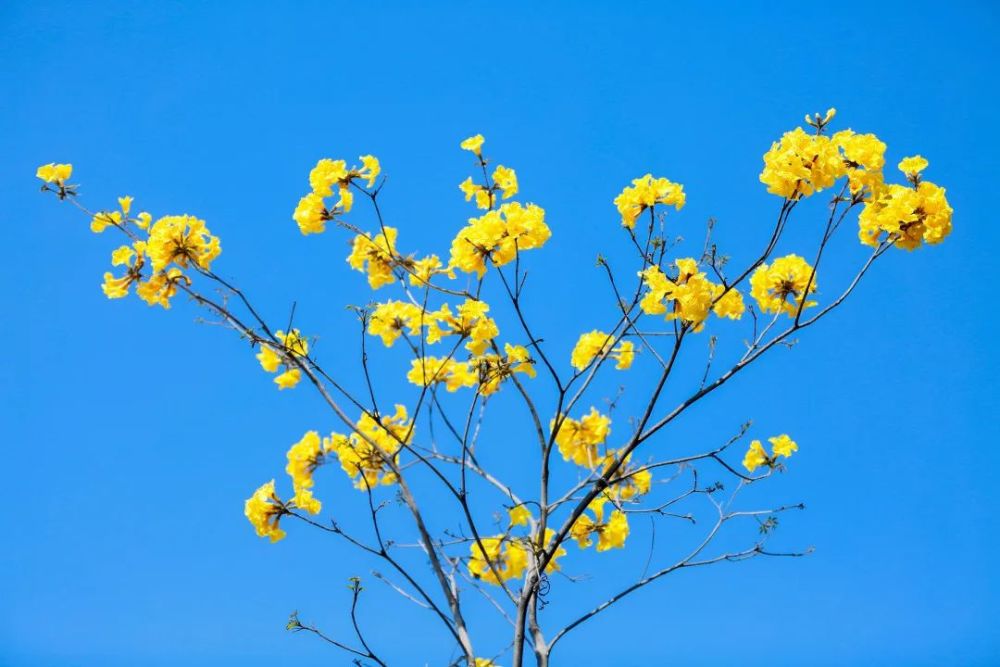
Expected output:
(471, 353)
(159, 252)
(803, 163)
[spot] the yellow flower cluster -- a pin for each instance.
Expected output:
(369, 454)
(376, 255)
(133, 259)
(389, 319)
(271, 358)
(161, 287)
(864, 159)
(757, 456)
(611, 534)
(907, 215)
(499, 235)
(579, 440)
(627, 483)
(455, 374)
(498, 559)
(801, 164)
(303, 458)
(487, 371)
(644, 193)
(172, 243)
(181, 240)
(264, 511)
(597, 343)
(781, 286)
(692, 296)
(504, 557)
(422, 270)
(471, 322)
(312, 213)
(504, 181)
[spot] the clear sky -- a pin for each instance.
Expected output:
(131, 436)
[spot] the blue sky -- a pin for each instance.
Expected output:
(131, 436)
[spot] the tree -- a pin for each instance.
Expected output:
(588, 498)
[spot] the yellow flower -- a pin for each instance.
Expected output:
(801, 164)
(596, 343)
(303, 459)
(131, 257)
(122, 255)
(755, 456)
(503, 557)
(288, 379)
(729, 305)
(781, 286)
(422, 270)
(614, 532)
(326, 174)
(506, 180)
(143, 220)
(519, 516)
(105, 219)
(370, 169)
(610, 535)
(369, 454)
(269, 359)
(303, 499)
(294, 342)
(126, 203)
(430, 370)
(161, 287)
(499, 235)
(625, 355)
(494, 369)
(483, 195)
(782, 445)
(907, 216)
(692, 296)
(474, 144)
(181, 239)
(389, 319)
(115, 288)
(864, 158)
(311, 214)
(912, 166)
(578, 441)
(264, 510)
(644, 193)
(471, 322)
(57, 174)
(376, 254)
(628, 482)
(499, 558)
